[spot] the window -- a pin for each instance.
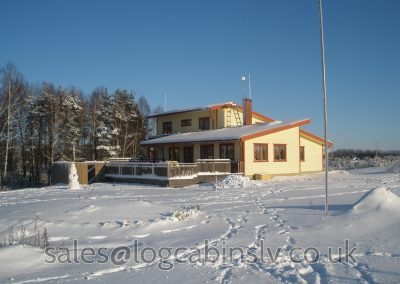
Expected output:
(227, 151)
(204, 123)
(188, 154)
(186, 122)
(173, 153)
(279, 153)
(167, 127)
(207, 151)
(302, 159)
(261, 152)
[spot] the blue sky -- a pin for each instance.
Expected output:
(196, 51)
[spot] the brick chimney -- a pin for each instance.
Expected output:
(247, 112)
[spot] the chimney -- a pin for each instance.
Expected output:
(247, 112)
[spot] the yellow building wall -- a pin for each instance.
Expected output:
(312, 156)
(290, 137)
(233, 119)
(176, 121)
(222, 118)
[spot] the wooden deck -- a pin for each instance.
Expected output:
(171, 173)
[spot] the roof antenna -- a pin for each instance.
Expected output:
(165, 101)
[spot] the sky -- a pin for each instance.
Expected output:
(197, 51)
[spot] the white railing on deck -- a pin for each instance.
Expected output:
(166, 170)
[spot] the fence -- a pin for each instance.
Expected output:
(170, 169)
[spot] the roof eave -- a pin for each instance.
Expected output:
(274, 130)
(315, 138)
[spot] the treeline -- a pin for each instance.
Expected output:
(43, 124)
(362, 154)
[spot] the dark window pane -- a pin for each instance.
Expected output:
(167, 127)
(204, 123)
(207, 151)
(186, 122)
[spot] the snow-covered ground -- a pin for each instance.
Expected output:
(275, 219)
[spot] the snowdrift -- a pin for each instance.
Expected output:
(378, 199)
(235, 181)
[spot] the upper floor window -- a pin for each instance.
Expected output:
(186, 122)
(279, 152)
(207, 151)
(167, 127)
(227, 151)
(261, 152)
(302, 156)
(204, 123)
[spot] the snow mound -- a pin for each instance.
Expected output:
(235, 181)
(344, 172)
(378, 199)
(393, 169)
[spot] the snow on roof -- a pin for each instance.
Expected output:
(188, 109)
(224, 134)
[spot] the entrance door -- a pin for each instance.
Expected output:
(188, 154)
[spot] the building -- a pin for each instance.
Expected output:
(255, 144)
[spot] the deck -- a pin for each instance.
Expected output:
(170, 173)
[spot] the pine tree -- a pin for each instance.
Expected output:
(128, 124)
(101, 113)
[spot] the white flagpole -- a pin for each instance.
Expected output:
(249, 87)
(165, 101)
(324, 106)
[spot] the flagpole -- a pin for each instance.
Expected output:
(324, 105)
(249, 87)
(165, 101)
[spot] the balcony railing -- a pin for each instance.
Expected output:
(171, 169)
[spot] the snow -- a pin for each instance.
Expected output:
(73, 178)
(222, 134)
(280, 214)
(378, 199)
(235, 181)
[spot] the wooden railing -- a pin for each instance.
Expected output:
(214, 165)
(182, 170)
(134, 169)
(170, 169)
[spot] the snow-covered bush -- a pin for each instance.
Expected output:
(184, 213)
(27, 235)
(348, 163)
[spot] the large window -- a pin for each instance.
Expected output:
(227, 151)
(186, 122)
(302, 156)
(167, 127)
(279, 152)
(188, 154)
(207, 151)
(261, 152)
(204, 123)
(173, 153)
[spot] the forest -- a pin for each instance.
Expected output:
(45, 123)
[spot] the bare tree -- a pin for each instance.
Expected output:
(12, 86)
